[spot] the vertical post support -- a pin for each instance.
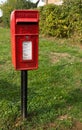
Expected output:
(24, 83)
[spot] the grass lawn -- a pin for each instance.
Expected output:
(54, 90)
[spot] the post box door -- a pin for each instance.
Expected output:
(27, 51)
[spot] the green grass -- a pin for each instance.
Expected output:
(54, 90)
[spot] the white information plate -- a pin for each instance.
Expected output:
(27, 50)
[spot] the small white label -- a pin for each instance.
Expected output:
(27, 50)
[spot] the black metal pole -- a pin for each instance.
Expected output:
(24, 83)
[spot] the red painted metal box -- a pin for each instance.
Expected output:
(24, 26)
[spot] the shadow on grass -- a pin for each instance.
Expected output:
(74, 97)
(9, 91)
(47, 113)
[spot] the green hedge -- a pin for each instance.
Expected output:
(11, 5)
(61, 21)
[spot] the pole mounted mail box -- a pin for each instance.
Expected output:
(24, 38)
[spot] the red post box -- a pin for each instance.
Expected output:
(24, 38)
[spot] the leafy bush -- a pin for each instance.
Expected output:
(6, 14)
(61, 21)
(0, 19)
(11, 5)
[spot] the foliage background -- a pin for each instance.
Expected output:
(58, 21)
(62, 21)
(11, 5)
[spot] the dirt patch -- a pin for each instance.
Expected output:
(56, 57)
(64, 117)
(49, 126)
(77, 126)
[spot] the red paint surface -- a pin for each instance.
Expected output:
(24, 27)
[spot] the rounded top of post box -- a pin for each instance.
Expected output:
(21, 12)
(30, 14)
